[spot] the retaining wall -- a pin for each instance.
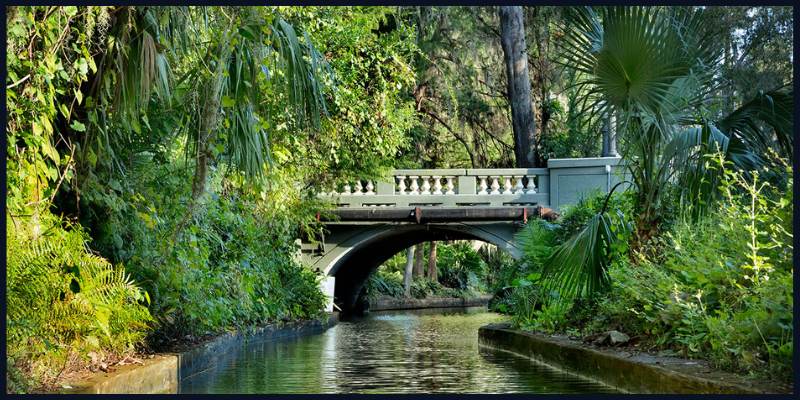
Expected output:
(163, 373)
(392, 303)
(634, 373)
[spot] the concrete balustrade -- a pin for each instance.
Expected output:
(562, 182)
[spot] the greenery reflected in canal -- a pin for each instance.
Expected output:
(386, 352)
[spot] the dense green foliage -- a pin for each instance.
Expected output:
(720, 287)
(233, 266)
(724, 291)
(163, 161)
(709, 198)
(64, 302)
(462, 272)
(175, 137)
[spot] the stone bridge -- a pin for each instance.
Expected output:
(375, 220)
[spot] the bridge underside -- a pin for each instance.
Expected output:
(364, 238)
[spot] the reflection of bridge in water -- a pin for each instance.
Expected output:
(376, 220)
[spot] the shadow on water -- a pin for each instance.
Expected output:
(433, 350)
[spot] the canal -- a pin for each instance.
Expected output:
(387, 352)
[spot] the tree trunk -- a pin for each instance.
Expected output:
(432, 263)
(541, 36)
(208, 120)
(408, 270)
(519, 86)
(419, 259)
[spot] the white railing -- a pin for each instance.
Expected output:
(447, 187)
(563, 182)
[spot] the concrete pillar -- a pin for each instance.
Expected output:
(328, 286)
(466, 185)
(610, 137)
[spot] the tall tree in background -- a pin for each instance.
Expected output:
(407, 272)
(419, 261)
(432, 274)
(515, 51)
(757, 51)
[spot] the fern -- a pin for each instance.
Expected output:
(62, 298)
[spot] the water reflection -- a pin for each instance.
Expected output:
(386, 352)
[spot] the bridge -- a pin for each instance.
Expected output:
(375, 220)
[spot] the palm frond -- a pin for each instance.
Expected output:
(298, 70)
(641, 59)
(579, 266)
(745, 138)
(763, 123)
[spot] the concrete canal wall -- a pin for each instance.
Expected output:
(392, 303)
(164, 372)
(633, 373)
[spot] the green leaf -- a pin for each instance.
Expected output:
(64, 110)
(78, 126)
(114, 184)
(91, 157)
(228, 102)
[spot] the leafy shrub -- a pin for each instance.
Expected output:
(231, 269)
(460, 267)
(724, 290)
(424, 287)
(720, 289)
(534, 308)
(384, 283)
(228, 263)
(64, 302)
(554, 255)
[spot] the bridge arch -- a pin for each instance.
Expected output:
(377, 219)
(359, 251)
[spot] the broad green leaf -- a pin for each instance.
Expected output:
(77, 126)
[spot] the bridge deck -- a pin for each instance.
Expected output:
(438, 214)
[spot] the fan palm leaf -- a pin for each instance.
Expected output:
(579, 266)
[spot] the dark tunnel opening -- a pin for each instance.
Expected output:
(353, 270)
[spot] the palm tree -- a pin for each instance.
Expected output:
(655, 69)
(233, 53)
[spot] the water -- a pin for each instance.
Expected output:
(387, 352)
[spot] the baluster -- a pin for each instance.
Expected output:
(482, 185)
(358, 189)
(426, 185)
(401, 184)
(531, 188)
(346, 189)
(369, 188)
(414, 185)
(437, 185)
(495, 186)
(507, 185)
(518, 188)
(450, 185)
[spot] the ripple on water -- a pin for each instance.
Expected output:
(387, 352)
